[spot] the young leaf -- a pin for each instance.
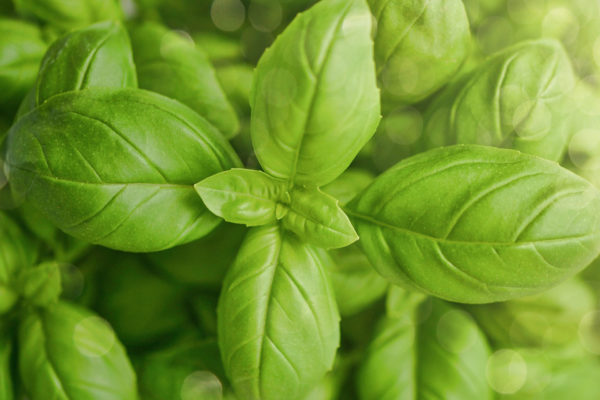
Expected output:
(278, 321)
(171, 65)
(478, 224)
(96, 56)
(141, 198)
(244, 196)
(314, 99)
(66, 352)
(318, 219)
(419, 45)
(431, 351)
(517, 99)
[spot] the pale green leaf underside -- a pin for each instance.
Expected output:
(278, 322)
(478, 224)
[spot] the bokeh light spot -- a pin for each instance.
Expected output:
(506, 371)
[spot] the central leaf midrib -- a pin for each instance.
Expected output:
(293, 170)
(384, 224)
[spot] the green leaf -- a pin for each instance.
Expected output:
(167, 373)
(170, 64)
(18, 253)
(547, 319)
(348, 185)
(399, 301)
(431, 352)
(244, 196)
(96, 56)
(142, 197)
(419, 45)
(21, 49)
(40, 286)
(201, 263)
(517, 99)
(142, 307)
(278, 321)
(6, 380)
(66, 353)
(67, 15)
(314, 99)
(318, 219)
(355, 282)
(552, 374)
(478, 224)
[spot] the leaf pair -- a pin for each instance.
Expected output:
(254, 198)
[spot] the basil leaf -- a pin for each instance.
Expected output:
(6, 382)
(171, 65)
(201, 263)
(278, 321)
(552, 374)
(142, 308)
(18, 253)
(355, 282)
(547, 319)
(478, 224)
(21, 49)
(40, 286)
(419, 46)
(441, 357)
(318, 219)
(517, 99)
(96, 56)
(314, 99)
(244, 196)
(399, 301)
(163, 374)
(68, 15)
(66, 352)
(144, 200)
(348, 185)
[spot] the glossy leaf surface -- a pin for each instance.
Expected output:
(144, 199)
(516, 99)
(318, 219)
(170, 64)
(96, 56)
(419, 45)
(243, 196)
(478, 224)
(278, 321)
(315, 101)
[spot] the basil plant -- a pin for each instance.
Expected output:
(299, 200)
